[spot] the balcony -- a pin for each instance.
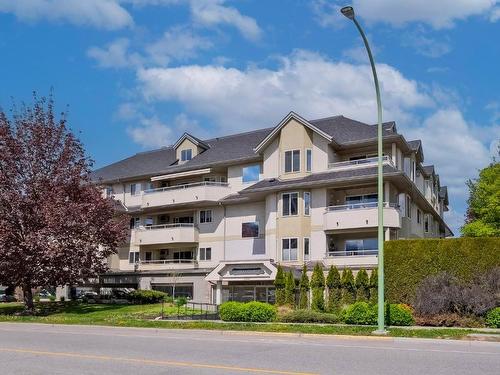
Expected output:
(166, 234)
(351, 258)
(167, 264)
(189, 193)
(360, 163)
(360, 216)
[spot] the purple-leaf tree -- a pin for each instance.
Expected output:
(56, 227)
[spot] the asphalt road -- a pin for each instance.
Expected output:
(44, 349)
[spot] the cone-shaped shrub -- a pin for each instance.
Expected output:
(348, 287)
(279, 283)
(362, 286)
(289, 289)
(304, 289)
(318, 288)
(374, 286)
(334, 290)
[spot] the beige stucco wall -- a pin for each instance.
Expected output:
(294, 136)
(185, 145)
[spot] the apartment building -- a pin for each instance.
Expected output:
(211, 219)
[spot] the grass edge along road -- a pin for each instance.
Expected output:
(140, 316)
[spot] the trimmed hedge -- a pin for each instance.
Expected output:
(141, 296)
(408, 262)
(308, 316)
(399, 315)
(247, 312)
(493, 318)
(364, 313)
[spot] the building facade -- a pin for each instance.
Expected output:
(211, 219)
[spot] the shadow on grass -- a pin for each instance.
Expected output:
(53, 308)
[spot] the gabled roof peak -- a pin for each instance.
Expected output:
(198, 142)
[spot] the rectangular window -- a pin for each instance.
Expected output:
(292, 161)
(205, 253)
(109, 191)
(148, 256)
(149, 186)
(309, 160)
(184, 219)
(250, 230)
(419, 214)
(148, 221)
(135, 189)
(186, 154)
(362, 244)
(426, 223)
(289, 249)
(133, 257)
(408, 206)
(290, 204)
(251, 173)
(135, 222)
(307, 203)
(205, 216)
(306, 248)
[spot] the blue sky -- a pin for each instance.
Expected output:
(137, 73)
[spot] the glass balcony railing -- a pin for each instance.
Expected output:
(360, 162)
(185, 186)
(348, 253)
(357, 206)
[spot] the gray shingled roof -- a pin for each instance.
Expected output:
(415, 145)
(428, 169)
(317, 177)
(228, 149)
(443, 194)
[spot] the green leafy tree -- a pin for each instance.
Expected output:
(483, 213)
(362, 286)
(373, 286)
(348, 287)
(289, 289)
(334, 290)
(304, 289)
(279, 284)
(318, 288)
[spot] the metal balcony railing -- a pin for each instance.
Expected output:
(360, 162)
(357, 206)
(348, 253)
(168, 261)
(185, 186)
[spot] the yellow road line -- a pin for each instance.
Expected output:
(153, 362)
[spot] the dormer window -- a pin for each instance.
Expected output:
(292, 161)
(186, 155)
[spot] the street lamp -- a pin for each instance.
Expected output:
(349, 13)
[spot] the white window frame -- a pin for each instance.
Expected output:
(408, 206)
(290, 204)
(205, 221)
(203, 250)
(419, 216)
(427, 227)
(307, 209)
(251, 222)
(289, 239)
(309, 160)
(136, 257)
(184, 153)
(308, 248)
(133, 188)
(292, 164)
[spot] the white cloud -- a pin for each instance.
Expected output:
(105, 14)
(439, 14)
(214, 12)
(305, 82)
(495, 14)
(151, 132)
(115, 55)
(425, 45)
(178, 43)
(454, 146)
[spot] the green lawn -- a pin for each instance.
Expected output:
(141, 315)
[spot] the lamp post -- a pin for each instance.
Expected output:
(349, 13)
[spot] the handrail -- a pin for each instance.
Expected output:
(164, 226)
(357, 206)
(167, 261)
(185, 186)
(347, 253)
(360, 162)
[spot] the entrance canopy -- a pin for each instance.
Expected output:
(243, 271)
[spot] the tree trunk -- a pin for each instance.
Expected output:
(28, 299)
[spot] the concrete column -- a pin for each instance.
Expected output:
(394, 154)
(218, 293)
(387, 234)
(386, 192)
